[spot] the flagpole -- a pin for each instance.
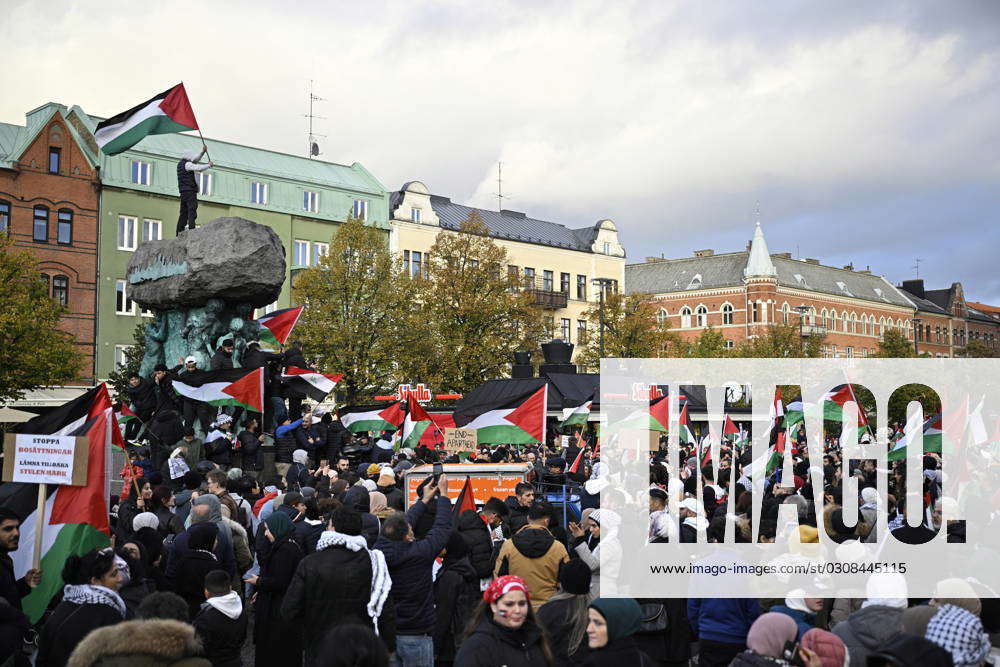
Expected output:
(205, 145)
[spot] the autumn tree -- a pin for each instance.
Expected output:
(358, 306)
(473, 315)
(631, 330)
(118, 378)
(780, 341)
(978, 349)
(33, 351)
(895, 345)
(710, 344)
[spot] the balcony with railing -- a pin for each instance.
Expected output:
(813, 329)
(544, 293)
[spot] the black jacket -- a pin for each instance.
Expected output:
(336, 437)
(13, 622)
(476, 536)
(221, 360)
(143, 398)
(393, 496)
(249, 445)
(67, 626)
(332, 587)
(284, 445)
(518, 516)
(189, 581)
(410, 565)
(218, 451)
(308, 534)
(456, 592)
(221, 636)
(554, 617)
(186, 183)
(490, 645)
(618, 652)
(258, 358)
(274, 631)
(297, 477)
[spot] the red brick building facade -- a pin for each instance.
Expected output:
(49, 200)
(741, 293)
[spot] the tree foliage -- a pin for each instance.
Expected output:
(33, 352)
(630, 331)
(895, 345)
(710, 344)
(780, 341)
(977, 349)
(473, 315)
(118, 378)
(358, 306)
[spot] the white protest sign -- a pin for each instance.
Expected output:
(178, 467)
(45, 459)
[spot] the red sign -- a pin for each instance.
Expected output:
(420, 392)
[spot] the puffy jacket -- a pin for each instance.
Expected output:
(221, 360)
(476, 536)
(154, 642)
(535, 556)
(284, 442)
(867, 630)
(456, 593)
(490, 645)
(410, 566)
(723, 619)
(67, 626)
(221, 635)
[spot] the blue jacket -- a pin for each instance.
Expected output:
(723, 619)
(410, 566)
(801, 618)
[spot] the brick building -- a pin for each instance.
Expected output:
(946, 322)
(49, 203)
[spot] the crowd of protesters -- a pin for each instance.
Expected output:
(318, 564)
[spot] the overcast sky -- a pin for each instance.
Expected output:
(868, 131)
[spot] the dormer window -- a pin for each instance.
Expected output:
(607, 248)
(415, 214)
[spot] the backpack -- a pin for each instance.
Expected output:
(654, 617)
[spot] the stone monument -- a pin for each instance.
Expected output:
(203, 287)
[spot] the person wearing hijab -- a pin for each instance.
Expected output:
(604, 524)
(197, 561)
(187, 186)
(379, 504)
(766, 643)
(827, 646)
(878, 621)
(504, 630)
(610, 630)
(278, 641)
(800, 609)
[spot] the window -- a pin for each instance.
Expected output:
(151, 230)
(607, 248)
(300, 253)
(662, 317)
(529, 277)
(685, 318)
(850, 352)
(5, 217)
(581, 332)
(784, 313)
(310, 201)
(204, 180)
(360, 209)
(833, 351)
(564, 283)
(730, 344)
(123, 304)
(140, 172)
(547, 279)
(702, 315)
(54, 154)
(415, 214)
(258, 193)
(727, 314)
(126, 232)
(120, 351)
(319, 252)
(564, 329)
(416, 264)
(64, 226)
(60, 290)
(755, 312)
(40, 230)
(581, 287)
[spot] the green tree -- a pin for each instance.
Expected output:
(473, 313)
(358, 304)
(118, 378)
(781, 341)
(895, 345)
(710, 344)
(977, 349)
(630, 331)
(33, 351)
(901, 397)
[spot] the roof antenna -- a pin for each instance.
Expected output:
(916, 266)
(500, 195)
(313, 146)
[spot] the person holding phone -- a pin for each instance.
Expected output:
(771, 641)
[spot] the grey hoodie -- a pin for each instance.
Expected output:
(182, 504)
(867, 630)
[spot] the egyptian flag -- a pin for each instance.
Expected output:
(518, 421)
(76, 517)
(276, 327)
(362, 419)
(167, 113)
(466, 499)
(228, 386)
(311, 383)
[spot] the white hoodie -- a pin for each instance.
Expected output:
(229, 604)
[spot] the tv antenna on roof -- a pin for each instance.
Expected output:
(500, 195)
(313, 148)
(916, 266)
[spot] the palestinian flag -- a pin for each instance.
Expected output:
(415, 423)
(466, 499)
(655, 418)
(931, 432)
(519, 421)
(125, 415)
(313, 384)
(230, 386)
(167, 113)
(834, 401)
(775, 454)
(578, 415)
(575, 468)
(76, 517)
(361, 419)
(730, 432)
(276, 327)
(685, 434)
(795, 413)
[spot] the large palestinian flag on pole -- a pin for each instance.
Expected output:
(230, 386)
(519, 421)
(276, 327)
(76, 517)
(931, 430)
(313, 384)
(834, 401)
(361, 419)
(167, 113)
(416, 422)
(578, 415)
(654, 418)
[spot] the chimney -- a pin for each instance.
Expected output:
(783, 255)
(867, 272)
(849, 267)
(811, 260)
(915, 287)
(654, 259)
(557, 354)
(704, 253)
(522, 368)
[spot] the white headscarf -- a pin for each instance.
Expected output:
(145, 520)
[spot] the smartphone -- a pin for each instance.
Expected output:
(438, 471)
(791, 654)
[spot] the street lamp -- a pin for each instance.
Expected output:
(802, 309)
(602, 284)
(916, 323)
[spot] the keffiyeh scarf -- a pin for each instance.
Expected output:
(381, 582)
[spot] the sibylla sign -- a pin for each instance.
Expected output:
(838, 494)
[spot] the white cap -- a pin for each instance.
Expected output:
(190, 360)
(689, 504)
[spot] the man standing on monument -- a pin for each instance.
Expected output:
(187, 185)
